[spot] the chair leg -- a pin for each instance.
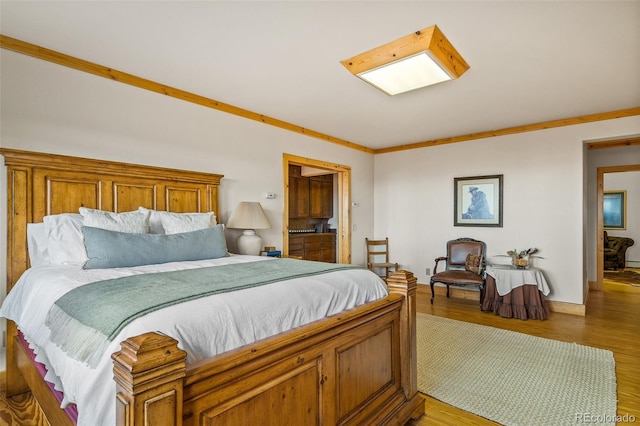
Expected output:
(432, 292)
(447, 291)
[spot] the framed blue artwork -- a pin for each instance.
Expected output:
(614, 209)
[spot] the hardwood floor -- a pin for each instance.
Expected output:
(612, 322)
(21, 410)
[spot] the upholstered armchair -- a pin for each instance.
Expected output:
(615, 251)
(464, 266)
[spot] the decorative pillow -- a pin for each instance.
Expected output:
(64, 239)
(37, 242)
(473, 263)
(161, 222)
(111, 249)
(135, 222)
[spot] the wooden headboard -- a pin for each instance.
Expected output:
(41, 184)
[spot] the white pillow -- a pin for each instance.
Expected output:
(135, 222)
(161, 222)
(155, 224)
(37, 243)
(65, 240)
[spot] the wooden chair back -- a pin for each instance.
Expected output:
(378, 257)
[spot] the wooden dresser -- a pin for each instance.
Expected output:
(318, 246)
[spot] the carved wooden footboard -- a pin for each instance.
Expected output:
(358, 367)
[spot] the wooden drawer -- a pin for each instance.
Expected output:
(318, 247)
(296, 246)
(297, 254)
(313, 255)
(296, 241)
(328, 256)
(312, 245)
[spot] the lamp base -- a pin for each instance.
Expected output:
(249, 243)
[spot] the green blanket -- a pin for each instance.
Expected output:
(87, 318)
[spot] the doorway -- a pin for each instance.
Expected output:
(601, 171)
(343, 226)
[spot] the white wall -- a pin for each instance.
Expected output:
(543, 199)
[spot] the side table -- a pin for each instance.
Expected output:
(516, 293)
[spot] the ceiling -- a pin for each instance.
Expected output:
(531, 61)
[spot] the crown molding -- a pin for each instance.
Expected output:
(45, 54)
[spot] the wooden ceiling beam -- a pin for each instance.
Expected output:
(142, 83)
(517, 129)
(122, 77)
(614, 143)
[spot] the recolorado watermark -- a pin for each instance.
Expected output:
(584, 418)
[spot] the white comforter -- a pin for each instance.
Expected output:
(204, 327)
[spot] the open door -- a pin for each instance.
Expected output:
(343, 177)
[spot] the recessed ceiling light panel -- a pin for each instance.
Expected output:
(420, 59)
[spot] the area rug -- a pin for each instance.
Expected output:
(627, 276)
(513, 378)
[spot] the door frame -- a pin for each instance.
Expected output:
(343, 174)
(601, 171)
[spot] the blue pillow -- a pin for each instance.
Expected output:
(111, 249)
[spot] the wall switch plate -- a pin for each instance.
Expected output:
(428, 271)
(270, 195)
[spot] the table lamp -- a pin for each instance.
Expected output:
(249, 216)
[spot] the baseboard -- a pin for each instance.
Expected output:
(594, 285)
(554, 306)
(567, 308)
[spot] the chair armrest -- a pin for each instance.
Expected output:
(438, 259)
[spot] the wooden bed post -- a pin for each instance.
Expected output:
(148, 372)
(405, 283)
(18, 215)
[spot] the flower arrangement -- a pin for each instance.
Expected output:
(520, 259)
(522, 254)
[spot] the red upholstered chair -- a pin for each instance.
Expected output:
(465, 263)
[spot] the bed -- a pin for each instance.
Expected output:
(357, 366)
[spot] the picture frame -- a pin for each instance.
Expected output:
(614, 209)
(477, 201)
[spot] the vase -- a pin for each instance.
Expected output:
(520, 262)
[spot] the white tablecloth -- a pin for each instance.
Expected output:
(508, 277)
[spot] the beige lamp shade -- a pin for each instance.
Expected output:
(249, 216)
